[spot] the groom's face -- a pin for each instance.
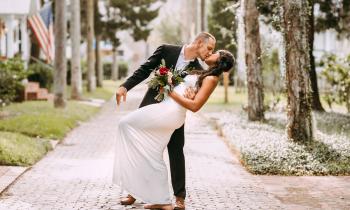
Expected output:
(213, 59)
(205, 48)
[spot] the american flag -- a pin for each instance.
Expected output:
(42, 26)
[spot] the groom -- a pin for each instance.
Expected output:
(177, 57)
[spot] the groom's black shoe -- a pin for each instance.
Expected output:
(129, 200)
(179, 204)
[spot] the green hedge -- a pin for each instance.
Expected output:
(41, 74)
(12, 72)
(17, 149)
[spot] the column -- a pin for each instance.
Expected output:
(9, 34)
(24, 39)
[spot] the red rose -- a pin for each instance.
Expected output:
(163, 70)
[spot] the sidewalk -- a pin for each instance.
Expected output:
(8, 174)
(77, 174)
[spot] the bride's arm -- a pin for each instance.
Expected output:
(208, 86)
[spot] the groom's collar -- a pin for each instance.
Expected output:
(182, 53)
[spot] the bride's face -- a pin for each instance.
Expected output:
(213, 59)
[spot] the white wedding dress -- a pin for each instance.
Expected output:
(142, 137)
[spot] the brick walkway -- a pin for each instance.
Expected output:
(77, 174)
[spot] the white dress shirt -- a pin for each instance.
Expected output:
(181, 62)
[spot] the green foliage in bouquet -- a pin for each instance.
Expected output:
(165, 79)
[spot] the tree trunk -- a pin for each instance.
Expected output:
(91, 78)
(253, 61)
(203, 28)
(295, 20)
(315, 102)
(226, 85)
(60, 55)
(115, 70)
(99, 68)
(348, 100)
(76, 77)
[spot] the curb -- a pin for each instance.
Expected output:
(9, 175)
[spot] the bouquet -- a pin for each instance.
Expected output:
(165, 79)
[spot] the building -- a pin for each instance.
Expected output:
(14, 31)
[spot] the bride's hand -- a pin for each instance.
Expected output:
(170, 76)
(161, 90)
(190, 93)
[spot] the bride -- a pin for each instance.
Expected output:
(143, 135)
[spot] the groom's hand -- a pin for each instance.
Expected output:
(190, 93)
(121, 92)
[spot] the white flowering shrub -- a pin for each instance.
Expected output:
(265, 149)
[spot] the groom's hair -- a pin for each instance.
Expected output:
(205, 36)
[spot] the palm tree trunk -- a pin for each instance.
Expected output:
(203, 28)
(295, 20)
(76, 78)
(226, 85)
(253, 62)
(348, 100)
(115, 70)
(91, 83)
(99, 68)
(60, 55)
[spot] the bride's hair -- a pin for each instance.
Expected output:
(224, 64)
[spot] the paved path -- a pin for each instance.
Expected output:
(77, 174)
(9, 174)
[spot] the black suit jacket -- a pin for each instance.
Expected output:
(170, 53)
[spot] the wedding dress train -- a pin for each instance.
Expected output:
(142, 136)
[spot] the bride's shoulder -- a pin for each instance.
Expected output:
(211, 79)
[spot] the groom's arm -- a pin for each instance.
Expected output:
(145, 69)
(140, 74)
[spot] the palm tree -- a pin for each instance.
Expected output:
(115, 70)
(203, 28)
(98, 34)
(60, 54)
(91, 78)
(76, 78)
